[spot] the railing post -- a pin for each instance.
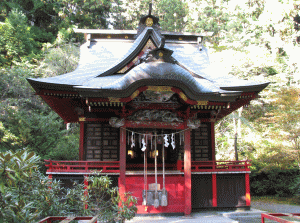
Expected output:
(86, 193)
(262, 218)
(50, 165)
(50, 181)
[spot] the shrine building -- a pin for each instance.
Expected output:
(147, 102)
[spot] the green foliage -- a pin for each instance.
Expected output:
(84, 14)
(67, 147)
(105, 199)
(172, 18)
(25, 120)
(213, 19)
(16, 42)
(59, 60)
(276, 182)
(172, 14)
(26, 196)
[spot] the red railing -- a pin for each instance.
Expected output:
(220, 166)
(68, 219)
(275, 217)
(114, 166)
(82, 166)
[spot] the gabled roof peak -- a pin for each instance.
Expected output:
(148, 21)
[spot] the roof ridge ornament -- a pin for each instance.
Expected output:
(150, 9)
(162, 54)
(148, 21)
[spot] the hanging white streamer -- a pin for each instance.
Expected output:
(166, 141)
(132, 140)
(173, 141)
(144, 144)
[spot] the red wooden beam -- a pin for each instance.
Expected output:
(187, 173)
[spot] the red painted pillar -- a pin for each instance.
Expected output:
(187, 173)
(213, 145)
(247, 189)
(122, 182)
(214, 190)
(50, 181)
(86, 193)
(81, 139)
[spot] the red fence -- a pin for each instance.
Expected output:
(68, 219)
(114, 166)
(275, 217)
(220, 166)
(82, 166)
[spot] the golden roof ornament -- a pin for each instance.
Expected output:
(149, 22)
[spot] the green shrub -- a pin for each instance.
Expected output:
(274, 182)
(66, 148)
(26, 196)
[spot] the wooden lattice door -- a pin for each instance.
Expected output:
(200, 143)
(102, 142)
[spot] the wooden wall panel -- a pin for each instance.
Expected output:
(201, 191)
(102, 142)
(231, 190)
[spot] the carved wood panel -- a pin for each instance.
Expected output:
(102, 142)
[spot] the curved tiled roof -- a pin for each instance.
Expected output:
(186, 67)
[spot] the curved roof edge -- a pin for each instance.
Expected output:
(137, 46)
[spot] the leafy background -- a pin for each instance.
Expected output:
(254, 40)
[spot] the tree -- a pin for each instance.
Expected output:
(172, 14)
(16, 42)
(91, 14)
(287, 117)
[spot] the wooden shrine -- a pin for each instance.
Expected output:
(147, 102)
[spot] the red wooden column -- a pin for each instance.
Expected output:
(81, 138)
(214, 191)
(247, 189)
(122, 182)
(213, 145)
(187, 173)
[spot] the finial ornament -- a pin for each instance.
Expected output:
(150, 8)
